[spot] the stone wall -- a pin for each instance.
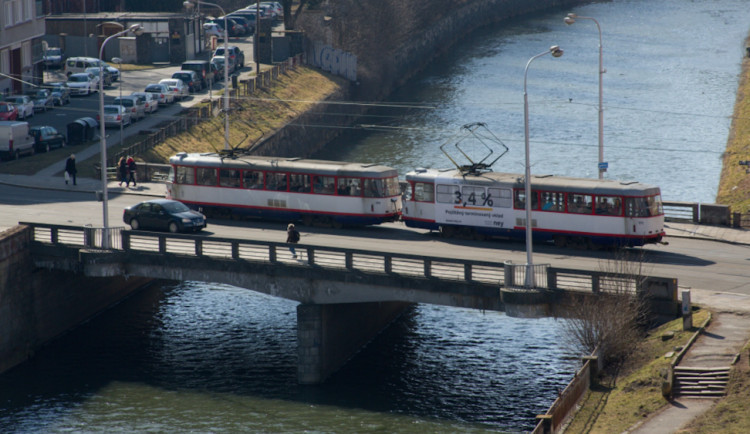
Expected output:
(38, 305)
(395, 39)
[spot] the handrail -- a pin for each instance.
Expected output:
(389, 263)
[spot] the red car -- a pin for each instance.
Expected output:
(8, 112)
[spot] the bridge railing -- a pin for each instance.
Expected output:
(387, 263)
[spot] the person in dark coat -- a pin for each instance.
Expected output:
(131, 171)
(70, 169)
(122, 171)
(292, 237)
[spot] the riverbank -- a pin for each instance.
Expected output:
(734, 184)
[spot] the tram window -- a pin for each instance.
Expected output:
(324, 185)
(499, 197)
(520, 202)
(374, 188)
(253, 179)
(206, 176)
(552, 201)
(643, 206)
(579, 203)
(349, 187)
(276, 181)
(447, 193)
(608, 205)
(185, 175)
(229, 178)
(299, 183)
(392, 188)
(424, 192)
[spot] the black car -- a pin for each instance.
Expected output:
(163, 214)
(60, 92)
(46, 138)
(190, 78)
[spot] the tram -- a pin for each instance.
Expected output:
(568, 211)
(316, 192)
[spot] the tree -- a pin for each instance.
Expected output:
(612, 322)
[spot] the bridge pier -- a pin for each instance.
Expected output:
(328, 335)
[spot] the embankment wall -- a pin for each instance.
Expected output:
(38, 305)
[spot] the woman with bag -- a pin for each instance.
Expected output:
(70, 169)
(122, 171)
(132, 168)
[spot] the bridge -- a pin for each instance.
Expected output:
(346, 295)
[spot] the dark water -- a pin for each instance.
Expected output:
(210, 358)
(195, 357)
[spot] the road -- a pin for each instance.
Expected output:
(698, 264)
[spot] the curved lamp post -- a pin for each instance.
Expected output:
(118, 61)
(570, 19)
(189, 4)
(555, 51)
(137, 30)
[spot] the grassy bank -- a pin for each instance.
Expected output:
(734, 184)
(622, 400)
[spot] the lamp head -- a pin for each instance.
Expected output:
(556, 51)
(188, 5)
(136, 29)
(570, 18)
(117, 60)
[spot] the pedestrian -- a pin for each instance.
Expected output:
(70, 169)
(132, 168)
(292, 237)
(122, 171)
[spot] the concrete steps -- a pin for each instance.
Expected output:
(700, 382)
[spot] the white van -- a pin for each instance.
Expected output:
(74, 65)
(15, 139)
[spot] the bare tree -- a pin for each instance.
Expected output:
(614, 320)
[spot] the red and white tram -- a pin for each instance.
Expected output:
(313, 191)
(568, 211)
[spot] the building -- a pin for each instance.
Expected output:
(21, 54)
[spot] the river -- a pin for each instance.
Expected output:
(212, 358)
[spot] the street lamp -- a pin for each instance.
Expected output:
(189, 4)
(137, 30)
(570, 19)
(555, 51)
(118, 61)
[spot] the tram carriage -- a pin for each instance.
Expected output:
(568, 211)
(329, 193)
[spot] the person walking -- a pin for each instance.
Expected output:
(132, 168)
(122, 171)
(292, 237)
(70, 169)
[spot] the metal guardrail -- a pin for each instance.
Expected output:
(334, 258)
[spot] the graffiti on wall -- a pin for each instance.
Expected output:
(335, 61)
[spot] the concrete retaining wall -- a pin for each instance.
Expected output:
(38, 305)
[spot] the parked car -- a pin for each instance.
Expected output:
(43, 100)
(190, 78)
(60, 92)
(53, 57)
(76, 65)
(94, 70)
(177, 87)
(218, 61)
(23, 103)
(235, 54)
(249, 16)
(212, 29)
(83, 83)
(202, 68)
(161, 93)
(249, 28)
(115, 116)
(8, 112)
(15, 139)
(134, 104)
(163, 214)
(113, 72)
(151, 103)
(235, 29)
(46, 138)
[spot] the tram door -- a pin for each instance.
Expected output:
(423, 201)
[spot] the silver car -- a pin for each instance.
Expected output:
(152, 104)
(115, 116)
(23, 103)
(83, 83)
(133, 104)
(161, 93)
(178, 88)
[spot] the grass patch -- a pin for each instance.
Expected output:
(622, 400)
(734, 184)
(33, 164)
(261, 114)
